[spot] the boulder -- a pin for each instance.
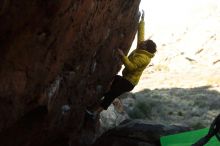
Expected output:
(57, 57)
(138, 132)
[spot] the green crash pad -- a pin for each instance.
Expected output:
(188, 138)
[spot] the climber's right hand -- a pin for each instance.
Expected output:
(142, 15)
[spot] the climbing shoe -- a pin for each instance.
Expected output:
(91, 120)
(90, 115)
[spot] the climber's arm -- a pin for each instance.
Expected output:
(141, 29)
(127, 63)
(139, 61)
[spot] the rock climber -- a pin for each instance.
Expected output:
(134, 64)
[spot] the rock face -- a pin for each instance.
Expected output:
(56, 58)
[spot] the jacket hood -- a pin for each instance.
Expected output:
(145, 52)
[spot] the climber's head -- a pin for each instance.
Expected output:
(148, 45)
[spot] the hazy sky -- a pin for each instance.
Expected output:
(165, 17)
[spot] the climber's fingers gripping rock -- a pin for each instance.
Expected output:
(120, 52)
(142, 15)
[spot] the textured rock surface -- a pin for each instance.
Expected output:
(61, 53)
(138, 132)
(112, 117)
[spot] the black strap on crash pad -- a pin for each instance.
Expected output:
(214, 130)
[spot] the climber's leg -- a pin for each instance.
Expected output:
(119, 86)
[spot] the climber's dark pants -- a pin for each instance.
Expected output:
(119, 86)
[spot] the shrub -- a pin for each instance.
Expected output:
(141, 110)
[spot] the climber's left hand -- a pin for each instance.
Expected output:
(120, 52)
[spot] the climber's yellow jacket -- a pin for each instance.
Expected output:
(135, 64)
(137, 61)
